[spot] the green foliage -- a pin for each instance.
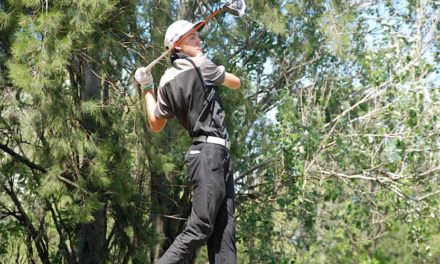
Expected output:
(348, 128)
(336, 28)
(335, 130)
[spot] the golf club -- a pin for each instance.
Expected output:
(234, 7)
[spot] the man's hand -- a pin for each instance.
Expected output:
(144, 78)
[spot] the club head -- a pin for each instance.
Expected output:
(235, 7)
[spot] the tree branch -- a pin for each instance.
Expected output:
(254, 168)
(21, 159)
(33, 233)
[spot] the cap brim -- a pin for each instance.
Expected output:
(199, 25)
(202, 25)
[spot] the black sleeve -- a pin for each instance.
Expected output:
(213, 74)
(163, 107)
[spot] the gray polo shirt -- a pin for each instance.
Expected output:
(189, 91)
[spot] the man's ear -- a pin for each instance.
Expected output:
(178, 48)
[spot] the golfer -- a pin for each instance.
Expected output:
(189, 91)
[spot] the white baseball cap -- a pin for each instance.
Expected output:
(176, 30)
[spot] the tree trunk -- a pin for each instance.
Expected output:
(92, 242)
(185, 10)
(159, 207)
(92, 246)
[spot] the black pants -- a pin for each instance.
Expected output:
(212, 215)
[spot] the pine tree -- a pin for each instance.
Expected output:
(66, 146)
(334, 133)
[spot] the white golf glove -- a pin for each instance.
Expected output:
(144, 78)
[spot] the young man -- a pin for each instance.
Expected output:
(189, 91)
